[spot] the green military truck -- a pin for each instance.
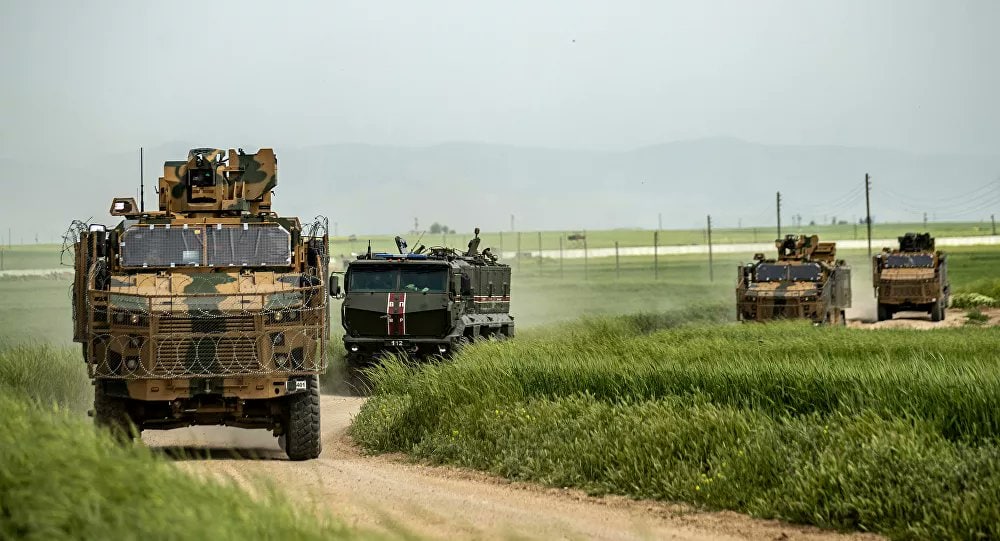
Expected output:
(428, 302)
(912, 277)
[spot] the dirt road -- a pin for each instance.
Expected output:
(954, 317)
(387, 493)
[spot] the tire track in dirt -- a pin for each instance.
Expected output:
(390, 494)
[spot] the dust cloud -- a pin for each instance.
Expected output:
(863, 305)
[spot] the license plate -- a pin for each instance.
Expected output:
(397, 343)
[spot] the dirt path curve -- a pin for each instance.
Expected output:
(387, 493)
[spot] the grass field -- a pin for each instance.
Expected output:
(60, 479)
(37, 309)
(47, 256)
(890, 431)
(644, 237)
(835, 427)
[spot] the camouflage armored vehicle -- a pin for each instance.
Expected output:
(806, 281)
(424, 302)
(912, 277)
(211, 310)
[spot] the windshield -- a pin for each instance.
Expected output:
(213, 245)
(378, 278)
(810, 272)
(771, 273)
(424, 280)
(897, 261)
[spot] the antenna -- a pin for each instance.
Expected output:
(418, 239)
(142, 190)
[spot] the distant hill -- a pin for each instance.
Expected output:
(380, 189)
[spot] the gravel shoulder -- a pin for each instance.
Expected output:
(391, 494)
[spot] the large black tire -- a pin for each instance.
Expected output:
(884, 313)
(937, 312)
(302, 427)
(111, 413)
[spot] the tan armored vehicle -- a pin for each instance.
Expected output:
(211, 310)
(806, 281)
(912, 277)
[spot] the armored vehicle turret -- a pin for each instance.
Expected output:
(806, 281)
(424, 302)
(210, 310)
(912, 277)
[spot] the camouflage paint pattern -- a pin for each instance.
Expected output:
(821, 301)
(911, 288)
(176, 335)
(234, 182)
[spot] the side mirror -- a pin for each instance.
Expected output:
(334, 286)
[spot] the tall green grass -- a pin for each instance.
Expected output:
(49, 375)
(891, 431)
(61, 479)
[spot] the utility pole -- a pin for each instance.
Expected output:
(142, 185)
(779, 214)
(711, 270)
(560, 256)
(518, 249)
(512, 223)
(585, 255)
(656, 255)
(618, 270)
(993, 219)
(539, 253)
(925, 221)
(868, 211)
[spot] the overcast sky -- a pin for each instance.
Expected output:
(915, 75)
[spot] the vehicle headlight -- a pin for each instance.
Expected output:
(131, 363)
(278, 316)
(280, 360)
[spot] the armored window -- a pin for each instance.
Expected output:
(372, 279)
(250, 245)
(424, 279)
(810, 272)
(201, 178)
(900, 261)
(771, 273)
(162, 246)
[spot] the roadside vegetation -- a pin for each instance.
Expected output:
(890, 431)
(62, 479)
